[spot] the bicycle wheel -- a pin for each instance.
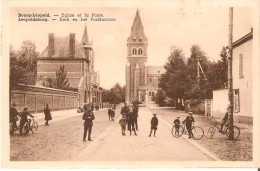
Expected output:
(25, 130)
(34, 127)
(236, 132)
(197, 132)
(177, 132)
(211, 132)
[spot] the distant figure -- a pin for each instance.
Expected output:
(225, 119)
(92, 107)
(189, 121)
(154, 124)
(124, 110)
(114, 106)
(24, 119)
(13, 116)
(123, 124)
(47, 113)
(97, 106)
(88, 116)
(135, 111)
(130, 121)
(111, 113)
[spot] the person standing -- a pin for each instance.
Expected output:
(24, 118)
(189, 122)
(154, 124)
(124, 110)
(47, 113)
(13, 116)
(135, 111)
(123, 123)
(88, 116)
(130, 121)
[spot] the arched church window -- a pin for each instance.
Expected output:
(134, 51)
(140, 51)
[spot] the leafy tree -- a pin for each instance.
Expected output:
(160, 98)
(174, 80)
(115, 95)
(23, 64)
(59, 82)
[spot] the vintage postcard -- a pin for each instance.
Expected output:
(130, 84)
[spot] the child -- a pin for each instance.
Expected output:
(122, 122)
(154, 124)
(177, 123)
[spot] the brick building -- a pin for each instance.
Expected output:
(78, 60)
(141, 80)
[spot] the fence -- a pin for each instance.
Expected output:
(37, 97)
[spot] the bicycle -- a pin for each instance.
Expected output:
(31, 124)
(216, 126)
(178, 130)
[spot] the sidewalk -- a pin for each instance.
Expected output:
(59, 115)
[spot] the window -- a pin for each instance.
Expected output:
(134, 51)
(236, 100)
(241, 74)
(140, 51)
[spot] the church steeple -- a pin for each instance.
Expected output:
(85, 40)
(137, 31)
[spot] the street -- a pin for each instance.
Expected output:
(62, 140)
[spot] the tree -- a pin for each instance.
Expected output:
(59, 82)
(173, 81)
(23, 64)
(115, 95)
(160, 98)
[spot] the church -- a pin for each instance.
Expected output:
(141, 80)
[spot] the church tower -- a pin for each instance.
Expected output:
(137, 44)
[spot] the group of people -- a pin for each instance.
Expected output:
(129, 118)
(14, 114)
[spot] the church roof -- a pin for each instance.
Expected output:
(137, 30)
(147, 87)
(155, 70)
(61, 49)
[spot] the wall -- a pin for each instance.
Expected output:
(243, 84)
(37, 97)
(220, 102)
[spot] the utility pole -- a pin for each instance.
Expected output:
(230, 77)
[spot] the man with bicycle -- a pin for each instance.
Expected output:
(13, 116)
(225, 119)
(189, 121)
(24, 118)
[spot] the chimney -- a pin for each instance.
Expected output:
(51, 45)
(72, 45)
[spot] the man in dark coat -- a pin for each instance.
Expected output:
(47, 113)
(24, 118)
(135, 111)
(88, 116)
(124, 110)
(154, 124)
(189, 121)
(130, 121)
(13, 116)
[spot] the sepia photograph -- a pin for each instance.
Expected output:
(123, 84)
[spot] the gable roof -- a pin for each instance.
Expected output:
(155, 70)
(61, 49)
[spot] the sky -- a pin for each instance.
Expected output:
(164, 27)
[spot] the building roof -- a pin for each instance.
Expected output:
(155, 70)
(137, 30)
(61, 49)
(147, 87)
(243, 39)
